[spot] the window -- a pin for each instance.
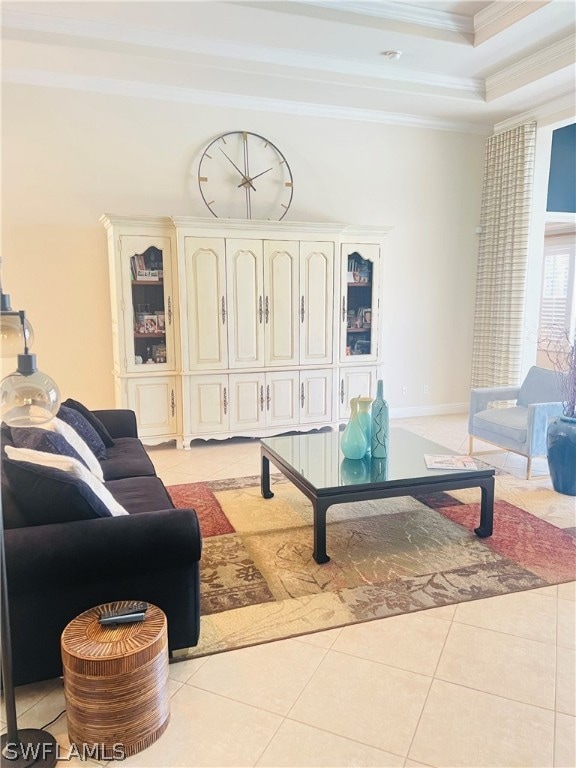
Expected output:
(558, 298)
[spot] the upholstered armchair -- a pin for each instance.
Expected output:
(520, 428)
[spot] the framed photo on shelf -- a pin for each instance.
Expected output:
(150, 324)
(365, 317)
(160, 320)
(159, 353)
(362, 347)
(140, 323)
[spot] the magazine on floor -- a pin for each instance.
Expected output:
(449, 461)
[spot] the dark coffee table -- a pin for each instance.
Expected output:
(316, 466)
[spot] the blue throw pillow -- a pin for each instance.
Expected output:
(92, 419)
(43, 440)
(86, 431)
(47, 495)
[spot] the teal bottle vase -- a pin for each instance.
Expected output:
(353, 441)
(378, 470)
(380, 424)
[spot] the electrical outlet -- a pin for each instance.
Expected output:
(404, 390)
(425, 389)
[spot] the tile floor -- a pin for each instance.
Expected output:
(486, 683)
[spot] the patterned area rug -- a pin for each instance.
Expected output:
(259, 581)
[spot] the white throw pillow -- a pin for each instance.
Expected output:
(79, 444)
(71, 466)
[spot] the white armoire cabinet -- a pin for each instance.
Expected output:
(228, 327)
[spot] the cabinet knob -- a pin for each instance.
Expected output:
(260, 310)
(169, 310)
(343, 308)
(267, 310)
(268, 398)
(223, 311)
(342, 390)
(261, 398)
(225, 402)
(173, 403)
(302, 311)
(302, 398)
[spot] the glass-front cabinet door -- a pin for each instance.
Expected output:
(359, 270)
(148, 307)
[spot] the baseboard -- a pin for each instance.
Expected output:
(429, 410)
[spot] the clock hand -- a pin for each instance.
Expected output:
(249, 180)
(246, 179)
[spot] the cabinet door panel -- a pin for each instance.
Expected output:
(282, 398)
(154, 401)
(316, 302)
(247, 400)
(359, 316)
(244, 278)
(147, 302)
(355, 383)
(315, 396)
(281, 329)
(205, 306)
(209, 404)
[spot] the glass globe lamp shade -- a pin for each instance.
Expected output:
(12, 338)
(27, 400)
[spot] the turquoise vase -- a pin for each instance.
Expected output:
(380, 424)
(365, 420)
(353, 442)
(354, 471)
(561, 452)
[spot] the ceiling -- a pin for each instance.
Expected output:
(465, 65)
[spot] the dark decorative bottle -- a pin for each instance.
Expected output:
(380, 424)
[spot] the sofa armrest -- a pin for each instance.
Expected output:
(82, 551)
(55, 572)
(539, 416)
(120, 422)
(481, 397)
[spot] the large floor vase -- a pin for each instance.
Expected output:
(561, 444)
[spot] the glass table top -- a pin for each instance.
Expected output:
(318, 459)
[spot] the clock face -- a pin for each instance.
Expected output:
(244, 176)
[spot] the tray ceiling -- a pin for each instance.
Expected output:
(464, 65)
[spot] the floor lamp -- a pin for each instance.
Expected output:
(28, 397)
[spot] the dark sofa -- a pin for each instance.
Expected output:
(59, 569)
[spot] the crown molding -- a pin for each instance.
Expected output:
(556, 110)
(215, 48)
(397, 11)
(335, 228)
(160, 92)
(502, 14)
(544, 62)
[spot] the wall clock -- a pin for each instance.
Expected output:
(244, 176)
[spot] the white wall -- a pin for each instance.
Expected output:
(70, 156)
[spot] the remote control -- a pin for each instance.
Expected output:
(126, 612)
(122, 618)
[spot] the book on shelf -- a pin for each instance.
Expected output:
(449, 461)
(359, 270)
(150, 275)
(147, 265)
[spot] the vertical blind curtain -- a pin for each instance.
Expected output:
(503, 257)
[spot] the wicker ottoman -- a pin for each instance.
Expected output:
(116, 682)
